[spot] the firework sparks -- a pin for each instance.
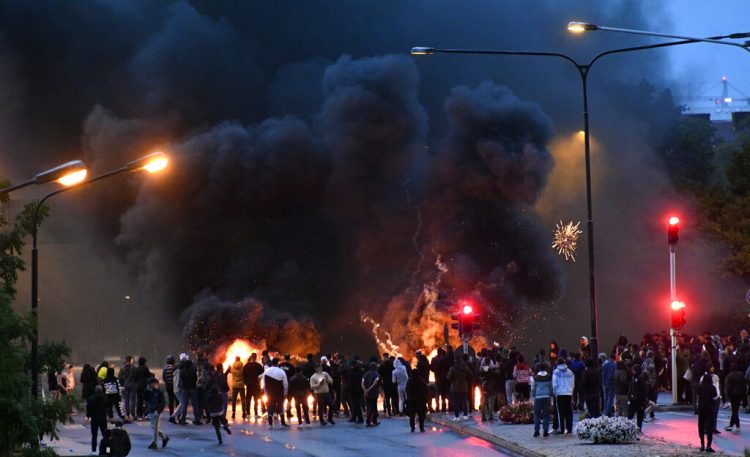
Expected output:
(566, 239)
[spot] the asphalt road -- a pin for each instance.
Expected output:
(392, 438)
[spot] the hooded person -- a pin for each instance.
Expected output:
(541, 393)
(96, 414)
(563, 384)
(276, 386)
(399, 378)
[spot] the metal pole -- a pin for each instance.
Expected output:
(672, 331)
(583, 70)
(34, 314)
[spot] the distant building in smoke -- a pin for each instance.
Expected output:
(725, 111)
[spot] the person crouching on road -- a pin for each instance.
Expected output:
(154, 400)
(277, 386)
(541, 392)
(320, 383)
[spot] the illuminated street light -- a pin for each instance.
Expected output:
(580, 27)
(583, 71)
(151, 163)
(67, 174)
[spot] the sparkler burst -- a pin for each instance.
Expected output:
(566, 239)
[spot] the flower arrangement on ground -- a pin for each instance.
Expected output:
(607, 430)
(520, 413)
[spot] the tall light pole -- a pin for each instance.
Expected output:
(151, 163)
(583, 72)
(66, 174)
(581, 27)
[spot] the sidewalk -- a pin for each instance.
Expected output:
(519, 440)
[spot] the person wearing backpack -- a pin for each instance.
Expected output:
(112, 392)
(116, 443)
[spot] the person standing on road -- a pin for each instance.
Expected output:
(188, 380)
(154, 406)
(416, 401)
(277, 386)
(592, 388)
(707, 396)
(371, 386)
(389, 388)
(563, 384)
(521, 377)
(96, 414)
(321, 383)
(356, 371)
(608, 383)
(637, 396)
(112, 392)
(621, 389)
(127, 380)
(168, 375)
(299, 388)
(399, 378)
(459, 375)
(715, 380)
(251, 374)
(142, 375)
(489, 379)
(735, 389)
(238, 386)
(177, 388)
(288, 368)
(541, 392)
(88, 381)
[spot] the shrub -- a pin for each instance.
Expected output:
(520, 413)
(607, 430)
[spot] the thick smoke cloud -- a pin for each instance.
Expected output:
(315, 174)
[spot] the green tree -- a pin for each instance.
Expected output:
(688, 153)
(22, 417)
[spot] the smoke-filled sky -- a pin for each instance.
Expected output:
(320, 174)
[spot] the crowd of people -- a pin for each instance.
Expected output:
(712, 371)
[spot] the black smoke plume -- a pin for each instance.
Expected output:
(317, 170)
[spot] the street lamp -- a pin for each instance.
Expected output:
(581, 27)
(151, 163)
(583, 71)
(67, 174)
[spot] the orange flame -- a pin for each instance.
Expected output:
(239, 348)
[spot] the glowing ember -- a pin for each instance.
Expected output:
(241, 348)
(566, 239)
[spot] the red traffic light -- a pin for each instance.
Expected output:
(678, 314)
(677, 305)
(673, 231)
(467, 309)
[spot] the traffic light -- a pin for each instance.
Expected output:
(457, 325)
(469, 319)
(673, 232)
(678, 314)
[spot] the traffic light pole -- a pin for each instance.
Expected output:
(672, 331)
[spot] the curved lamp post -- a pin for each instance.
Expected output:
(151, 163)
(583, 71)
(67, 174)
(581, 27)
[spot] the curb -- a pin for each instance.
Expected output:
(504, 445)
